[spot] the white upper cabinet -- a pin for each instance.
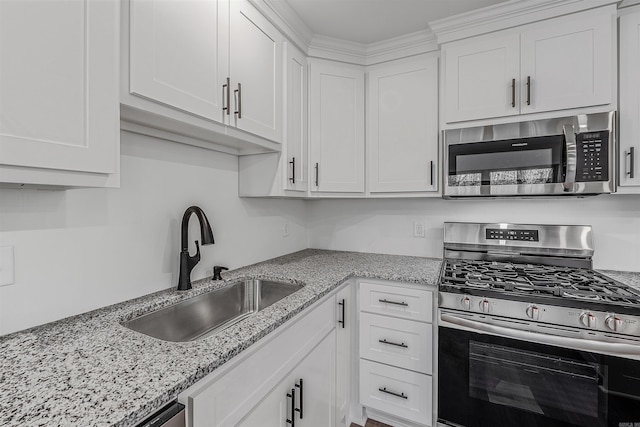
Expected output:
(402, 138)
(568, 62)
(629, 113)
(336, 99)
(218, 61)
(557, 64)
(480, 77)
(296, 141)
(255, 67)
(59, 120)
(179, 54)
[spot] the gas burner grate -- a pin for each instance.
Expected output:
(528, 279)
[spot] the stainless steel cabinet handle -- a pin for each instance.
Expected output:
(238, 101)
(393, 393)
(386, 301)
(341, 321)
(384, 341)
(226, 92)
(292, 395)
(293, 170)
(513, 93)
(299, 410)
(631, 154)
(316, 174)
(528, 90)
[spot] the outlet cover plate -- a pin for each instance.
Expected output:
(7, 273)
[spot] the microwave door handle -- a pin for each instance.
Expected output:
(571, 152)
(613, 349)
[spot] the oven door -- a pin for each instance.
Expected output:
(490, 380)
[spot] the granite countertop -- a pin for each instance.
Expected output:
(89, 370)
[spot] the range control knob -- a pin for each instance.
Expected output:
(484, 306)
(589, 320)
(614, 323)
(533, 312)
(466, 303)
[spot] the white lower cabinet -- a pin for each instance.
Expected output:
(396, 352)
(296, 366)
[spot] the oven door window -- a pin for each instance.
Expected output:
(486, 380)
(539, 160)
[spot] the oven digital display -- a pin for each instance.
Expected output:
(501, 234)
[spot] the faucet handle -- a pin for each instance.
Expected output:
(217, 269)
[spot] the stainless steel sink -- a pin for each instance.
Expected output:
(211, 312)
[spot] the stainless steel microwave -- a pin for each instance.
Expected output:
(572, 156)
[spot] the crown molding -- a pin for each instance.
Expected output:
(287, 20)
(510, 14)
(373, 53)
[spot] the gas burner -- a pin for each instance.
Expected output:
(589, 297)
(478, 285)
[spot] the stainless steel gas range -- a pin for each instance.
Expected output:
(529, 335)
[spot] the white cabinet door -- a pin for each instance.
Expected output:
(255, 67)
(312, 397)
(179, 54)
(481, 76)
(336, 127)
(59, 86)
(568, 62)
(402, 141)
(296, 142)
(344, 338)
(629, 140)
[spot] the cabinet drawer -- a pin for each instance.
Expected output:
(396, 391)
(399, 342)
(411, 304)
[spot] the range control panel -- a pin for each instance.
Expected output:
(592, 156)
(502, 234)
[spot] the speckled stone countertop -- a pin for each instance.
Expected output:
(89, 370)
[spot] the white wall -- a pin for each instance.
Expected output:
(81, 249)
(386, 226)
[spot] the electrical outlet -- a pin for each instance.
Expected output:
(7, 273)
(285, 228)
(418, 229)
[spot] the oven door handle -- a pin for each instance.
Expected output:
(571, 152)
(613, 349)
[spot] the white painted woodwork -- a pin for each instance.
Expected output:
(296, 141)
(415, 337)
(344, 352)
(336, 121)
(255, 63)
(402, 138)
(416, 387)
(179, 54)
(59, 92)
(224, 398)
(418, 302)
(317, 371)
(629, 113)
(570, 61)
(478, 74)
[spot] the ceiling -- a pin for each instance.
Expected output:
(370, 21)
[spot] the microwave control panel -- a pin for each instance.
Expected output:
(592, 156)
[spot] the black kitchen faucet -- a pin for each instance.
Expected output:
(188, 262)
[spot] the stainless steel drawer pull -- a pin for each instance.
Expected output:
(631, 154)
(226, 91)
(293, 170)
(299, 410)
(384, 341)
(292, 395)
(393, 393)
(238, 93)
(386, 301)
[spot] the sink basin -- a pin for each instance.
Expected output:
(211, 312)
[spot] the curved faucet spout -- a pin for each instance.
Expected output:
(187, 262)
